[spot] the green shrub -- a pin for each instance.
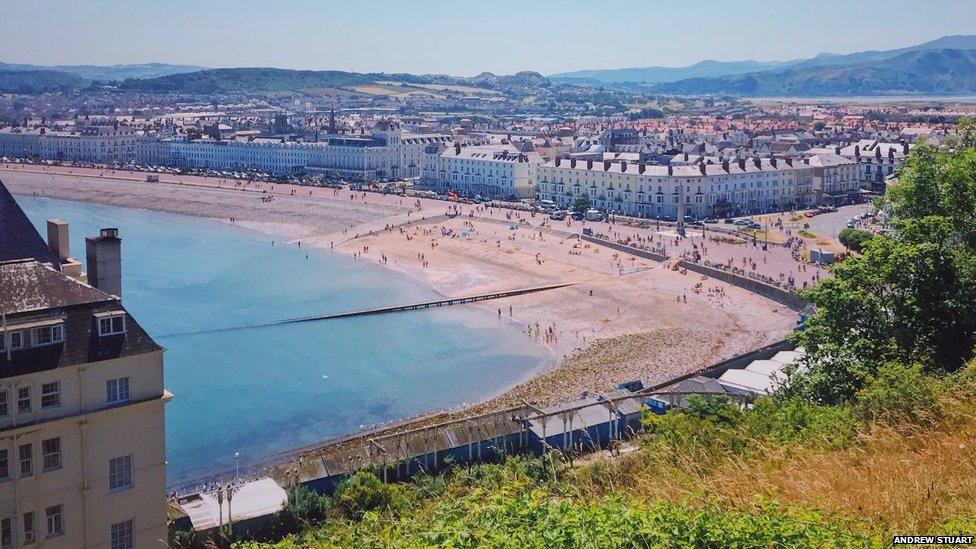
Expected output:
(898, 392)
(365, 492)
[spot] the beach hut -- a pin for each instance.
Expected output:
(787, 357)
(747, 383)
(766, 367)
(678, 395)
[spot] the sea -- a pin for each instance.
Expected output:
(263, 390)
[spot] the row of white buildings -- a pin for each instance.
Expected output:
(703, 189)
(696, 185)
(387, 153)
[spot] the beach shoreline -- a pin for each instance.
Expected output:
(606, 329)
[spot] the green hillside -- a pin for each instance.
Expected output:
(257, 80)
(39, 81)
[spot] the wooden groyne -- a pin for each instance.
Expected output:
(446, 302)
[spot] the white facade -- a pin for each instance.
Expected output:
(96, 144)
(703, 190)
(387, 154)
(492, 171)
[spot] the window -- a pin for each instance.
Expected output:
(4, 465)
(6, 534)
(16, 340)
(122, 535)
(55, 520)
(51, 395)
(120, 473)
(3, 403)
(28, 528)
(51, 454)
(25, 453)
(111, 325)
(24, 400)
(47, 335)
(117, 390)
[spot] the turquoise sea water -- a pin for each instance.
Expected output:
(265, 390)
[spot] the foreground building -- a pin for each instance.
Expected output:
(82, 451)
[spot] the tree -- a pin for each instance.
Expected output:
(853, 239)
(910, 298)
(581, 204)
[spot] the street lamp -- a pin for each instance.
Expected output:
(237, 465)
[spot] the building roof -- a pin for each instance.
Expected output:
(249, 500)
(30, 286)
(18, 237)
(35, 294)
(571, 416)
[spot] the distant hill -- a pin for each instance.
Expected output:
(698, 78)
(653, 75)
(258, 80)
(957, 42)
(107, 73)
(265, 80)
(39, 81)
(926, 71)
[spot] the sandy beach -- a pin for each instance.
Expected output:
(624, 318)
(648, 323)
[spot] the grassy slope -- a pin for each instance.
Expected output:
(784, 474)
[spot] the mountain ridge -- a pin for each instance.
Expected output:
(710, 68)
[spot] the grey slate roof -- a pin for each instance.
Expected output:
(39, 293)
(18, 237)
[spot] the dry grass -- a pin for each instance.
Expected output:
(904, 478)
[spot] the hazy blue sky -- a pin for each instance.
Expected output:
(463, 37)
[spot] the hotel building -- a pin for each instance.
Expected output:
(492, 171)
(699, 190)
(82, 450)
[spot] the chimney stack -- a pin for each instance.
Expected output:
(557, 161)
(103, 253)
(725, 166)
(57, 238)
(572, 162)
(641, 167)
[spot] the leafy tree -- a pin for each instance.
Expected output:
(853, 239)
(581, 204)
(910, 298)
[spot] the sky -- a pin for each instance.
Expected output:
(461, 37)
